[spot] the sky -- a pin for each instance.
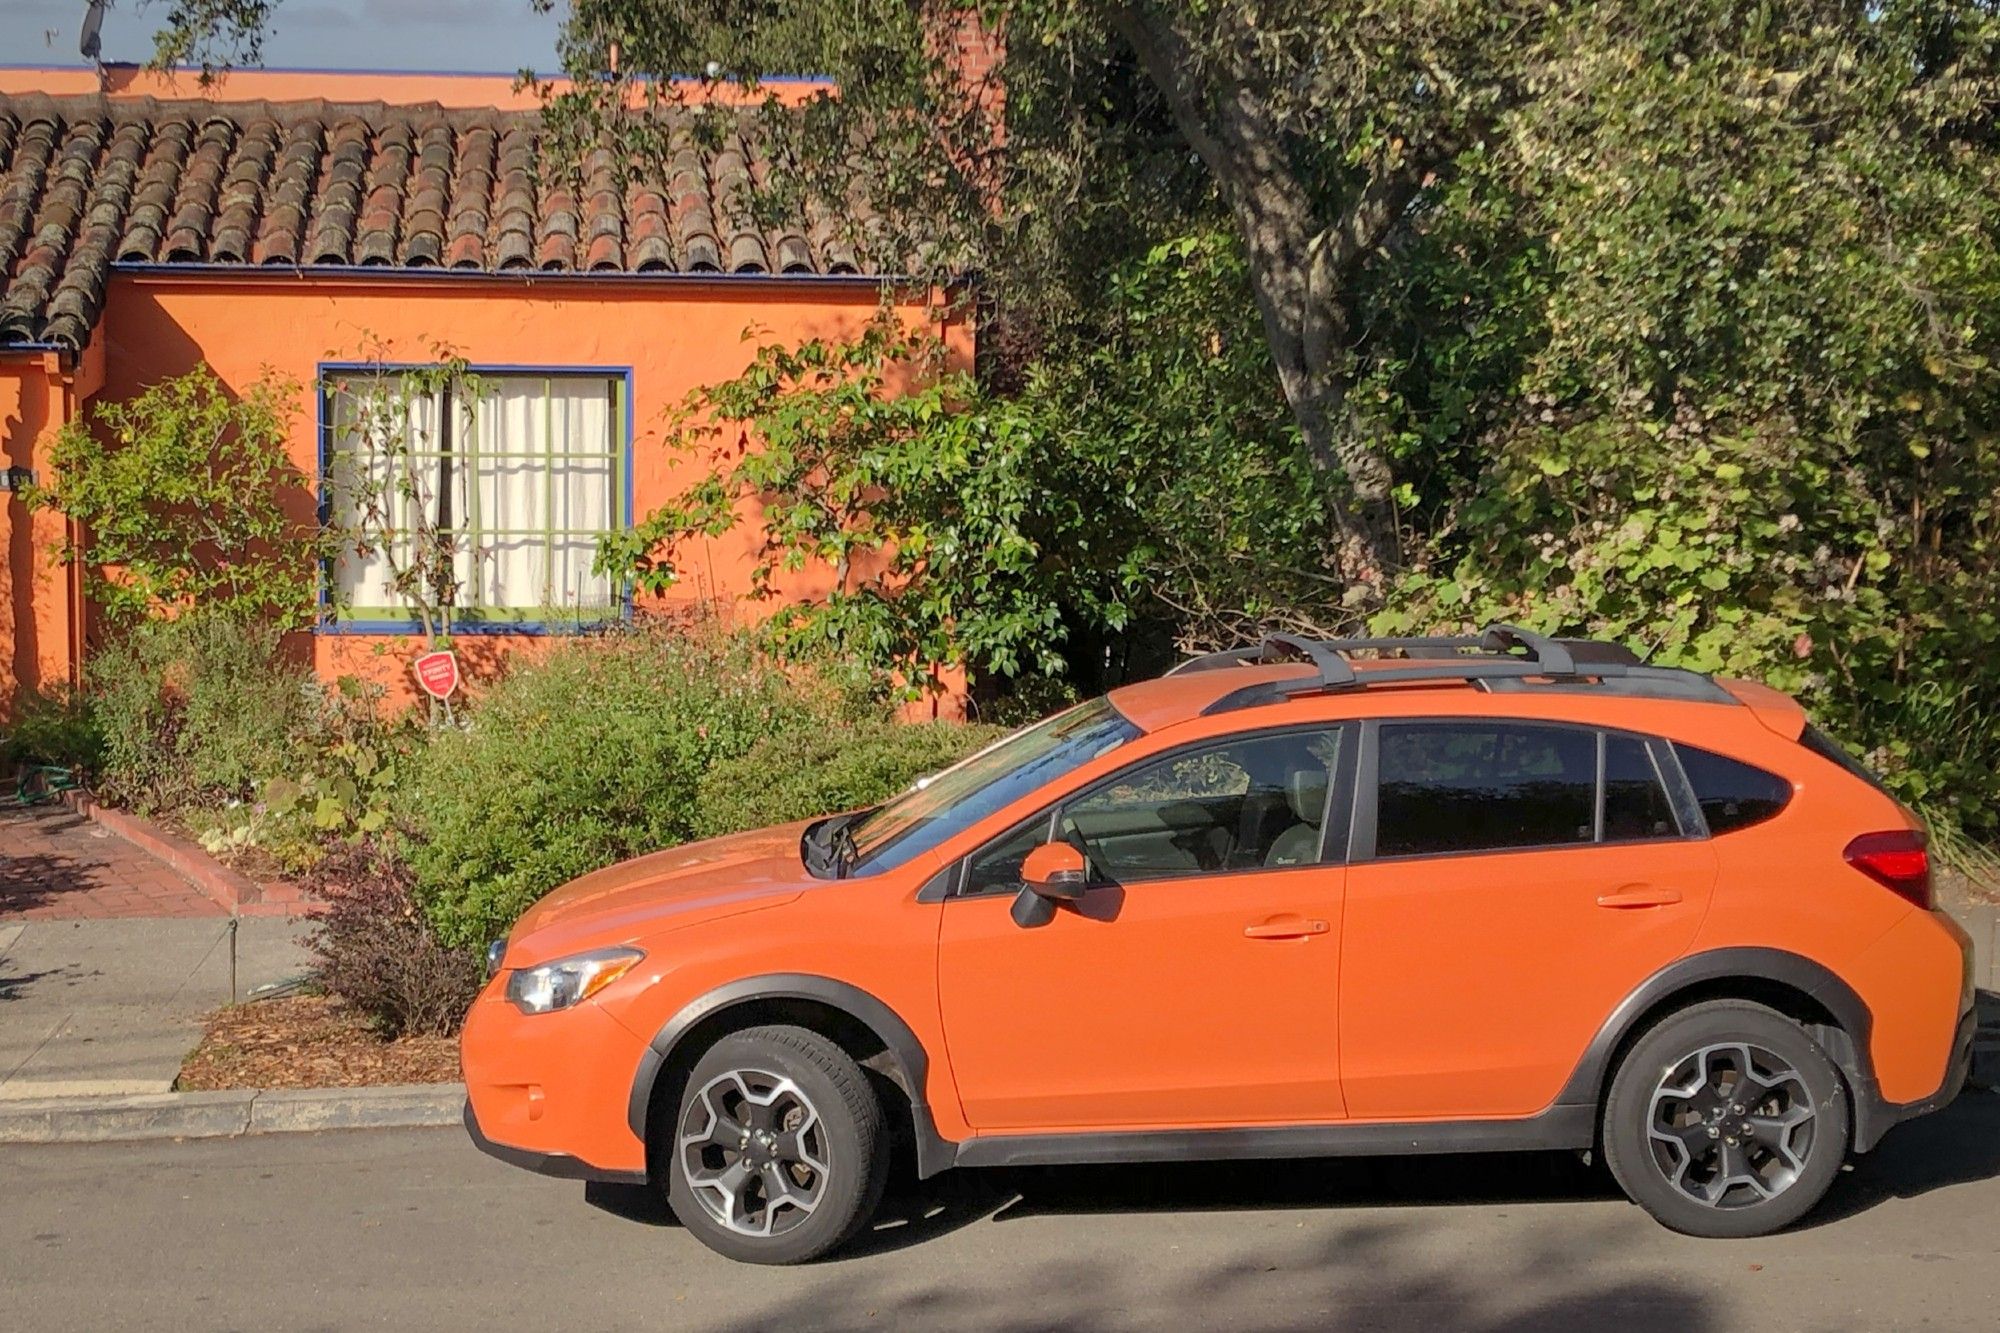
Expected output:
(482, 36)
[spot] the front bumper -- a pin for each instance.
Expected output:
(559, 1165)
(548, 1090)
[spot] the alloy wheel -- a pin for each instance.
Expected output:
(1731, 1125)
(753, 1151)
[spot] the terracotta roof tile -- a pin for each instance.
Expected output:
(87, 183)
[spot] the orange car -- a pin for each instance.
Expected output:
(1395, 896)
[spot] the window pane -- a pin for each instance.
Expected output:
(996, 867)
(1468, 786)
(525, 479)
(1732, 794)
(1635, 800)
(1243, 805)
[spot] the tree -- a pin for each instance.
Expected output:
(1319, 129)
(185, 498)
(1322, 129)
(384, 480)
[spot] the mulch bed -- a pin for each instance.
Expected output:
(309, 1041)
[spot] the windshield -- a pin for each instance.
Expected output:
(974, 788)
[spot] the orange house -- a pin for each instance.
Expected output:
(146, 229)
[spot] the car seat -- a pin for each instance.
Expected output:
(1305, 793)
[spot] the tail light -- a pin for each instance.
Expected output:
(1899, 861)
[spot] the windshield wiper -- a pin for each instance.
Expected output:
(828, 847)
(845, 853)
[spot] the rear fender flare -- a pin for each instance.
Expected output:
(1849, 1047)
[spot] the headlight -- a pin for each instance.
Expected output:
(567, 981)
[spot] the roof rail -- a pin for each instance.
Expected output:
(1502, 656)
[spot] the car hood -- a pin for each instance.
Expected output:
(675, 887)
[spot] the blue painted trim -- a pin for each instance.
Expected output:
(522, 276)
(326, 623)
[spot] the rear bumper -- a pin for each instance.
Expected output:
(1874, 1116)
(559, 1165)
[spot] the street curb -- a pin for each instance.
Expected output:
(237, 893)
(207, 1115)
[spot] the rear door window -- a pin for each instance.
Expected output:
(1448, 787)
(1636, 807)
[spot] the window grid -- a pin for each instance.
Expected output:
(473, 531)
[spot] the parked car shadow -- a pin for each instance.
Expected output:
(1958, 1145)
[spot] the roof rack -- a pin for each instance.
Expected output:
(1501, 657)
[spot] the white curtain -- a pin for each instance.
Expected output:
(534, 465)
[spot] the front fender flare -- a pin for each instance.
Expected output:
(908, 1064)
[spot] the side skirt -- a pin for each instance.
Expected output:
(1559, 1127)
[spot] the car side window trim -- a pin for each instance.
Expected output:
(1680, 792)
(1341, 792)
(1368, 785)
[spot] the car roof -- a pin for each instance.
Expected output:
(1500, 660)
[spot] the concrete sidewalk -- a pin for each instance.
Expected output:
(111, 1007)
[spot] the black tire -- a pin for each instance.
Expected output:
(850, 1143)
(1678, 1084)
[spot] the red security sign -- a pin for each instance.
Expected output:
(438, 673)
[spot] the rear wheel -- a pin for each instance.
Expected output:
(1726, 1120)
(777, 1152)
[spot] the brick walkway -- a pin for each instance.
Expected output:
(58, 866)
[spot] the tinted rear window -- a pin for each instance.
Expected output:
(1480, 786)
(1732, 794)
(1826, 747)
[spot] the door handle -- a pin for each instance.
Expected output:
(1639, 895)
(1286, 928)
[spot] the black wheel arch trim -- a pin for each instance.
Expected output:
(1848, 1046)
(908, 1065)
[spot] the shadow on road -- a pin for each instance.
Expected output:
(1958, 1145)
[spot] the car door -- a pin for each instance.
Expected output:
(1194, 983)
(1511, 883)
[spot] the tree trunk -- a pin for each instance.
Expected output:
(1297, 272)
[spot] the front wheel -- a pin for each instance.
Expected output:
(1726, 1120)
(777, 1151)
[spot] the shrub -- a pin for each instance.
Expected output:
(181, 494)
(378, 951)
(195, 710)
(57, 727)
(587, 756)
(348, 757)
(799, 774)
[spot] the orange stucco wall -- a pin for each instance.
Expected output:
(40, 605)
(674, 336)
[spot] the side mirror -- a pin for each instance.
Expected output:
(1053, 873)
(1056, 871)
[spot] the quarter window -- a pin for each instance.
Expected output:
(1449, 787)
(1732, 794)
(524, 472)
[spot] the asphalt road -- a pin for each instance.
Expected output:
(416, 1230)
